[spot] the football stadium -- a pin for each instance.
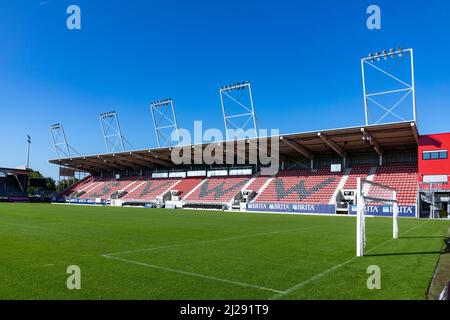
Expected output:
(237, 231)
(356, 213)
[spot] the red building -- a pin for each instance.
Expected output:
(434, 173)
(434, 163)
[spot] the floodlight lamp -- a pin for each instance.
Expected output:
(391, 52)
(378, 56)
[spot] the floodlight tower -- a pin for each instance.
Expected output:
(237, 105)
(164, 122)
(404, 87)
(62, 147)
(112, 134)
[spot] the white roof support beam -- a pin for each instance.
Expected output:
(156, 159)
(299, 148)
(133, 159)
(121, 163)
(332, 145)
(373, 142)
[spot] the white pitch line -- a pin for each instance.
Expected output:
(317, 276)
(182, 244)
(192, 274)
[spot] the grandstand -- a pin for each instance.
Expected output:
(13, 184)
(317, 174)
(301, 186)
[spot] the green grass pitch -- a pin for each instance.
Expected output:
(130, 253)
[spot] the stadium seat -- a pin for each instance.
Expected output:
(403, 178)
(149, 189)
(257, 183)
(357, 171)
(218, 190)
(186, 185)
(301, 186)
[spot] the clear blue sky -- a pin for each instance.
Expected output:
(131, 52)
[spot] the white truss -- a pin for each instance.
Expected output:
(229, 98)
(112, 134)
(406, 89)
(164, 122)
(62, 148)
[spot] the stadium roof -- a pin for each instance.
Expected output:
(15, 170)
(343, 141)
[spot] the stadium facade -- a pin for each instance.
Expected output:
(317, 173)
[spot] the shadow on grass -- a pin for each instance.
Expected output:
(424, 237)
(402, 254)
(445, 249)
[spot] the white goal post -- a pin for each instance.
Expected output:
(372, 192)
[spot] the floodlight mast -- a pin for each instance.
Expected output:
(407, 88)
(164, 122)
(62, 147)
(247, 110)
(112, 134)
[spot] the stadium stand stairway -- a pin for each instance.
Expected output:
(301, 186)
(262, 187)
(337, 195)
(87, 191)
(77, 185)
(194, 189)
(253, 186)
(235, 203)
(126, 184)
(185, 186)
(216, 191)
(358, 171)
(78, 189)
(101, 189)
(349, 183)
(149, 190)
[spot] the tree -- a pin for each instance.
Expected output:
(33, 175)
(64, 184)
(50, 184)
